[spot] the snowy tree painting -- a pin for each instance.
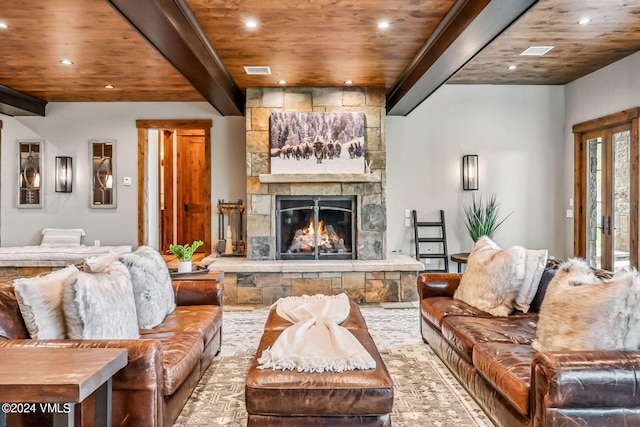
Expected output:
(317, 143)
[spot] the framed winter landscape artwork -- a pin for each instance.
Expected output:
(317, 143)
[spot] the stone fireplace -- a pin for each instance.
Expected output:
(263, 187)
(359, 265)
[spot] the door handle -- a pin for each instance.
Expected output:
(609, 225)
(186, 209)
(602, 226)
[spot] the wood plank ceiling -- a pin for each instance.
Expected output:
(305, 42)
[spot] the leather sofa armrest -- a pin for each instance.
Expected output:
(437, 284)
(198, 292)
(144, 359)
(589, 381)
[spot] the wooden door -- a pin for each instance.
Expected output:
(193, 191)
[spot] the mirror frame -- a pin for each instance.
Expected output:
(93, 171)
(39, 165)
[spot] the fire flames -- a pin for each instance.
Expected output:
(304, 239)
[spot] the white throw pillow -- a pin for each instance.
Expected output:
(99, 263)
(582, 312)
(40, 301)
(497, 280)
(61, 237)
(101, 305)
(152, 288)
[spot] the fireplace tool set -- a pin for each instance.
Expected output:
(230, 240)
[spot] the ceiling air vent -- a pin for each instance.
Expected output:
(536, 50)
(257, 71)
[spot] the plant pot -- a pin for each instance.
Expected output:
(184, 266)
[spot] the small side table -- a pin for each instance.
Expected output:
(460, 258)
(60, 377)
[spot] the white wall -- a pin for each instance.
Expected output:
(517, 132)
(67, 128)
(603, 92)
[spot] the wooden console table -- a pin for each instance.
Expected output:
(56, 379)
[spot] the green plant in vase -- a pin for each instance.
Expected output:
(184, 253)
(482, 216)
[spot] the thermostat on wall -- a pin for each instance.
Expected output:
(126, 180)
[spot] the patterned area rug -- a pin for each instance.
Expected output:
(425, 392)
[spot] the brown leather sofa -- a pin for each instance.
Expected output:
(515, 385)
(163, 367)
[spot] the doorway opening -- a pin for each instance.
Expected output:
(174, 183)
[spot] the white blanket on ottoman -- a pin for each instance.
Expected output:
(316, 342)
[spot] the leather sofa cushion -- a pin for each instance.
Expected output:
(464, 332)
(293, 393)
(204, 319)
(507, 367)
(435, 309)
(353, 321)
(180, 354)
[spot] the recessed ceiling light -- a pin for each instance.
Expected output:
(4, 25)
(282, 82)
(109, 86)
(584, 21)
(536, 50)
(251, 24)
(512, 67)
(66, 62)
(383, 25)
(348, 82)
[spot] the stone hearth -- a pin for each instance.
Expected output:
(249, 282)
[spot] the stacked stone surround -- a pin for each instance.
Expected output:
(370, 194)
(371, 277)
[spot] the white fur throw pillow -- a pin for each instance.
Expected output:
(101, 305)
(40, 301)
(99, 263)
(582, 312)
(497, 280)
(152, 288)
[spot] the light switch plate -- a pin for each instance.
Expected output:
(126, 180)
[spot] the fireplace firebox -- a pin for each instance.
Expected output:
(315, 227)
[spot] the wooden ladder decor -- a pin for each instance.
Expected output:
(440, 241)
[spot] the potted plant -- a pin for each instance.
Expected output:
(184, 254)
(482, 217)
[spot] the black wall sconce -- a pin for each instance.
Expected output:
(470, 172)
(64, 174)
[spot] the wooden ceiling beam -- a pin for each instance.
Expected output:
(469, 26)
(16, 103)
(171, 27)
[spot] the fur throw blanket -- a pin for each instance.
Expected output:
(316, 342)
(583, 312)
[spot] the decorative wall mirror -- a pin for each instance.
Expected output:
(30, 173)
(103, 164)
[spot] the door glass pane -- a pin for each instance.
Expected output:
(594, 203)
(621, 199)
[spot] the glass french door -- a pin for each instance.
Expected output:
(606, 191)
(608, 199)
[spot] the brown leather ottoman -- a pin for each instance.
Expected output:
(292, 398)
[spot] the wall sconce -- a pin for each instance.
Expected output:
(470, 172)
(64, 174)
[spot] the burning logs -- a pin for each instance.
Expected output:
(328, 241)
